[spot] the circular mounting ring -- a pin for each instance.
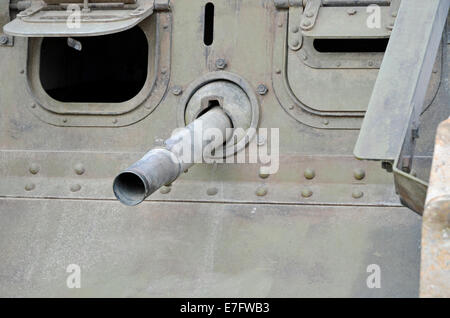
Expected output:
(239, 81)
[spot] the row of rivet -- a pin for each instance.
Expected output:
(262, 191)
(309, 173)
(35, 168)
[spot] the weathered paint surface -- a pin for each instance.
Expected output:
(205, 250)
(220, 230)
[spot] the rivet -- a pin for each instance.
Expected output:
(212, 191)
(33, 105)
(34, 168)
(263, 173)
(309, 14)
(359, 174)
(261, 89)
(351, 11)
(165, 26)
(338, 64)
(394, 14)
(370, 63)
(75, 187)
(177, 90)
(390, 26)
(30, 187)
(325, 121)
(165, 190)
(280, 24)
(294, 29)
(435, 71)
(163, 70)
(115, 121)
(304, 56)
(278, 71)
(64, 120)
(309, 173)
(306, 23)
(221, 64)
(79, 169)
(22, 71)
(295, 43)
(291, 107)
(261, 191)
(357, 194)
(306, 192)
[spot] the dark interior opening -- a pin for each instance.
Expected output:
(211, 104)
(351, 45)
(208, 31)
(108, 69)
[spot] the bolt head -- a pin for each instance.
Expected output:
(262, 89)
(177, 90)
(3, 39)
(351, 11)
(221, 64)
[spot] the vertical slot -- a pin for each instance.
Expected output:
(208, 31)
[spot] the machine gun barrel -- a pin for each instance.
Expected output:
(162, 166)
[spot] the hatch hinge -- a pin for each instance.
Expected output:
(310, 14)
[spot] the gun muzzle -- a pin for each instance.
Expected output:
(162, 166)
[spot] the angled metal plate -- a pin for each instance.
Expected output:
(39, 21)
(399, 93)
